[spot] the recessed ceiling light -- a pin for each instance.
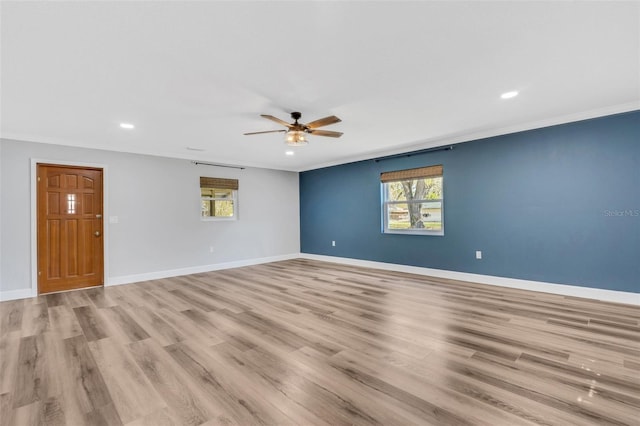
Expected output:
(289, 153)
(127, 125)
(509, 95)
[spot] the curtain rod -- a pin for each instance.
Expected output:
(203, 163)
(409, 154)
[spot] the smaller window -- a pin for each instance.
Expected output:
(218, 199)
(412, 201)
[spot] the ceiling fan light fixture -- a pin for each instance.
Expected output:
(296, 138)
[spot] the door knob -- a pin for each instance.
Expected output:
(97, 233)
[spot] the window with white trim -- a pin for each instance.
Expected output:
(218, 198)
(412, 201)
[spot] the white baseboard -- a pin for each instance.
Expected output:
(16, 294)
(561, 289)
(128, 279)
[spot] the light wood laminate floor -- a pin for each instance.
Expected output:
(312, 343)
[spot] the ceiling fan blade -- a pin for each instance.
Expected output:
(276, 119)
(266, 131)
(323, 122)
(325, 133)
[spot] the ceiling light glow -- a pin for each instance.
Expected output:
(127, 125)
(509, 95)
(296, 138)
(289, 153)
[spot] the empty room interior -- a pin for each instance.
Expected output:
(319, 213)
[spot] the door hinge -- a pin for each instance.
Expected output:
(38, 178)
(39, 273)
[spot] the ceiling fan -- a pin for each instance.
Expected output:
(296, 133)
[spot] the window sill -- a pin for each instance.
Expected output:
(218, 219)
(413, 232)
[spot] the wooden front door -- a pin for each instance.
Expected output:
(70, 242)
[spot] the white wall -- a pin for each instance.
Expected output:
(157, 204)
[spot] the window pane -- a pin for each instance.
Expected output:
(395, 191)
(217, 208)
(434, 188)
(431, 215)
(398, 216)
(216, 193)
(223, 208)
(418, 216)
(415, 189)
(207, 208)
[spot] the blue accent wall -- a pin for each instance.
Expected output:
(559, 204)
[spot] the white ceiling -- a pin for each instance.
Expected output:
(401, 75)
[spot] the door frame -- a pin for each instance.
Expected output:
(34, 215)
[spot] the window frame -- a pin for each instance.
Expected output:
(386, 203)
(224, 185)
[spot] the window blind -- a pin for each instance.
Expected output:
(218, 183)
(418, 173)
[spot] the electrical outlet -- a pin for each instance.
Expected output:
(478, 254)
(333, 243)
